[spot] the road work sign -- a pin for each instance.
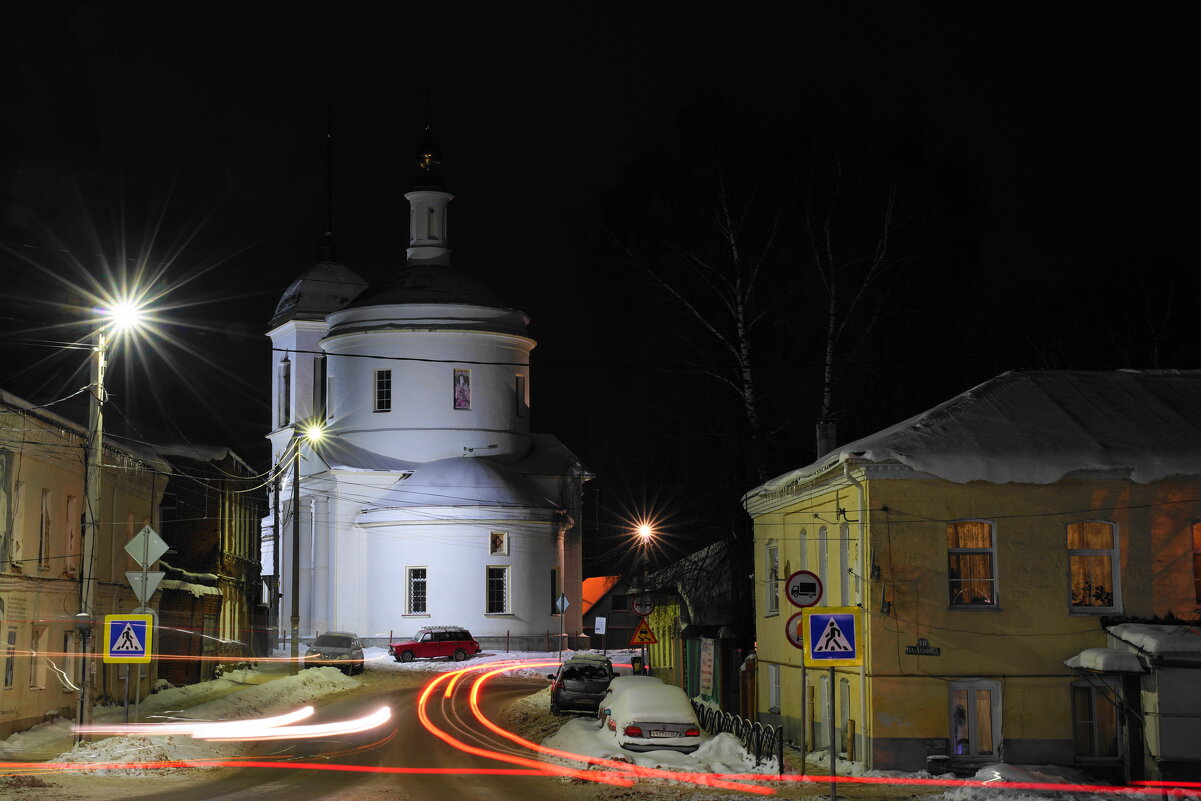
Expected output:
(832, 636)
(127, 638)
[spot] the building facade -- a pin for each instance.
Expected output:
(987, 541)
(429, 499)
(212, 605)
(43, 571)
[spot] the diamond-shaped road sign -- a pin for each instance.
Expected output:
(562, 603)
(146, 547)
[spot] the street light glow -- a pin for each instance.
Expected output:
(313, 432)
(645, 531)
(124, 315)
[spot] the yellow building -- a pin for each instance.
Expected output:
(41, 561)
(986, 540)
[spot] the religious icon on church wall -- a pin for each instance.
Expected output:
(462, 397)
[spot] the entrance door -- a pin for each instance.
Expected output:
(975, 708)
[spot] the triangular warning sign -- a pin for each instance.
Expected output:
(127, 641)
(643, 635)
(832, 640)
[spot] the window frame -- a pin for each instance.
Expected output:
(990, 551)
(284, 407)
(971, 686)
(410, 608)
(507, 604)
(1097, 700)
(773, 688)
(1115, 571)
(381, 390)
(1195, 530)
(45, 530)
(771, 590)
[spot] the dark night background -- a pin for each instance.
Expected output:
(1045, 169)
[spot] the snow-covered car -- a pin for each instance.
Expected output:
(617, 687)
(340, 649)
(433, 642)
(580, 682)
(654, 717)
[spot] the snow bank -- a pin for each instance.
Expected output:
(273, 697)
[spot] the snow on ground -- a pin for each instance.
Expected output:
(268, 690)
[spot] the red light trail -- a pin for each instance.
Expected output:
(612, 772)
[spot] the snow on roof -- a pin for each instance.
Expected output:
(1106, 660)
(1037, 426)
(595, 589)
(337, 452)
(197, 590)
(1160, 639)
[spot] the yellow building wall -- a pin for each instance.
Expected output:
(1021, 643)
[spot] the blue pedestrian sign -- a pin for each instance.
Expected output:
(127, 638)
(833, 636)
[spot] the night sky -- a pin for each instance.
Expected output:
(1046, 162)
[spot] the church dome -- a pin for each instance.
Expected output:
(430, 284)
(323, 288)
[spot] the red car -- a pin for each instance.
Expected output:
(431, 642)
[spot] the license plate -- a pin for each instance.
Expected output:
(661, 733)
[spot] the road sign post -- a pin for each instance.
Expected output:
(830, 637)
(561, 604)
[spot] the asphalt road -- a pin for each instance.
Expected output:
(403, 743)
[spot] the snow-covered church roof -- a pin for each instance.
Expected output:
(1037, 426)
(324, 287)
(464, 481)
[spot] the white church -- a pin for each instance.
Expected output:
(428, 500)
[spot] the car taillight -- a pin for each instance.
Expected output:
(693, 733)
(633, 731)
(612, 724)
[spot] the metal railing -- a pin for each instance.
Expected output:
(764, 742)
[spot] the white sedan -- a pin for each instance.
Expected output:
(654, 717)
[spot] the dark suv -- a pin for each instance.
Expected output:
(580, 682)
(452, 642)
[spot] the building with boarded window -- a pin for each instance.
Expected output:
(989, 540)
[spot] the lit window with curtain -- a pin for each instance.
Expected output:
(1093, 566)
(971, 563)
(1197, 561)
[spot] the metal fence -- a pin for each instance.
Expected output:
(764, 741)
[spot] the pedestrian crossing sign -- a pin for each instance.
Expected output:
(833, 636)
(127, 638)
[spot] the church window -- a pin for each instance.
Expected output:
(554, 591)
(383, 390)
(498, 543)
(10, 657)
(497, 591)
(319, 398)
(285, 392)
(523, 402)
(417, 588)
(433, 224)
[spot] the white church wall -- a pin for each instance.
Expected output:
(423, 423)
